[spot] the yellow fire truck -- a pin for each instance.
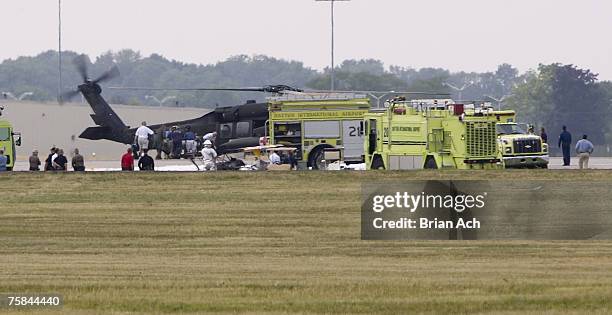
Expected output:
(434, 133)
(318, 122)
(8, 140)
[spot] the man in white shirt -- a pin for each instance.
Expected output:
(584, 148)
(275, 158)
(209, 155)
(211, 136)
(142, 136)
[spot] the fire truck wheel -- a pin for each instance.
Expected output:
(315, 158)
(377, 163)
(9, 169)
(431, 163)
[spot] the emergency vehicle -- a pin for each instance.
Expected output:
(8, 140)
(519, 148)
(431, 133)
(314, 123)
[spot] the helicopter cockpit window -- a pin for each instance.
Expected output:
(226, 131)
(242, 129)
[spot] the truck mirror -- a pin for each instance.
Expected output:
(18, 140)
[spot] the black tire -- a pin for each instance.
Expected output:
(430, 163)
(316, 156)
(377, 163)
(9, 169)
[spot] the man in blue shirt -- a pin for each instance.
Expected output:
(190, 141)
(177, 142)
(3, 161)
(565, 142)
(584, 148)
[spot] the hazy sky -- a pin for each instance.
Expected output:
(471, 35)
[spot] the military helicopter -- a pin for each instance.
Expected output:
(236, 126)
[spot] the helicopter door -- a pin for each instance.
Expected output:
(243, 129)
(352, 139)
(225, 131)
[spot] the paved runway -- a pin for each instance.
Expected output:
(186, 165)
(594, 162)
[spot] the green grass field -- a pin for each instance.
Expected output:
(272, 243)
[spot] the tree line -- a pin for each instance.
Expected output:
(549, 96)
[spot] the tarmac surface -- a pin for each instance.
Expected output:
(93, 164)
(43, 125)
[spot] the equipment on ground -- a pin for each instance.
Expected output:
(519, 148)
(430, 133)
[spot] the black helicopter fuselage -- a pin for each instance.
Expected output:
(236, 126)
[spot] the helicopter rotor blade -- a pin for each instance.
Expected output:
(68, 95)
(185, 89)
(267, 89)
(108, 75)
(80, 63)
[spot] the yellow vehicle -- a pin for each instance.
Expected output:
(315, 122)
(433, 133)
(518, 147)
(8, 140)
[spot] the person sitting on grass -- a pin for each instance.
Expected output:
(34, 161)
(127, 160)
(59, 163)
(146, 163)
(78, 162)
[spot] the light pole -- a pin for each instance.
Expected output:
(500, 100)
(158, 101)
(59, 49)
(332, 39)
(460, 90)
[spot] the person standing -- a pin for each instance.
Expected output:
(565, 142)
(177, 142)
(146, 163)
(3, 161)
(531, 130)
(127, 161)
(60, 162)
(190, 141)
(543, 135)
(34, 161)
(293, 161)
(142, 136)
(209, 156)
(78, 162)
(584, 148)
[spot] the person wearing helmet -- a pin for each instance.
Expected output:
(209, 155)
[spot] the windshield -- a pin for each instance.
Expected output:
(509, 129)
(4, 134)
